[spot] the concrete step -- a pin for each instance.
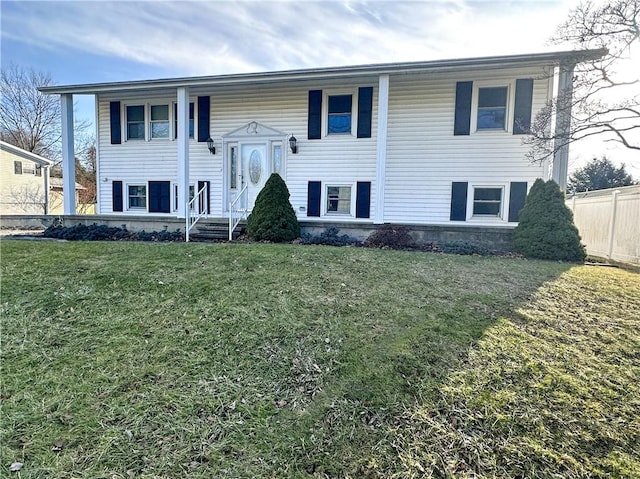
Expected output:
(214, 231)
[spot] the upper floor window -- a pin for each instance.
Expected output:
(135, 122)
(339, 114)
(492, 108)
(17, 167)
(38, 170)
(159, 121)
(191, 120)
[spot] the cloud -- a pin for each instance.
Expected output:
(201, 38)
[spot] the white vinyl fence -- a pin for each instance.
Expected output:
(609, 222)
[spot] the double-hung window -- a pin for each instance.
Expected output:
(339, 114)
(487, 201)
(191, 120)
(159, 121)
(135, 122)
(339, 200)
(492, 108)
(137, 196)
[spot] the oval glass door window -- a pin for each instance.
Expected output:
(255, 167)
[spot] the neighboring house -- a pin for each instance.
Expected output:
(56, 196)
(424, 143)
(24, 181)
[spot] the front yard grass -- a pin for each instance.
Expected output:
(140, 360)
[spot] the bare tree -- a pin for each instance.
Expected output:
(604, 103)
(29, 119)
(28, 198)
(32, 120)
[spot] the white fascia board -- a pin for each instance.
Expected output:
(27, 155)
(468, 64)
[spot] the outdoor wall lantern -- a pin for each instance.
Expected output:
(211, 146)
(293, 144)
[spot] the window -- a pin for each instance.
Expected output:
(233, 167)
(137, 196)
(28, 169)
(487, 202)
(492, 108)
(135, 122)
(38, 170)
(339, 200)
(339, 114)
(276, 159)
(191, 120)
(17, 167)
(159, 121)
(176, 203)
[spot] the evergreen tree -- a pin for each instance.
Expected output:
(273, 217)
(546, 229)
(598, 174)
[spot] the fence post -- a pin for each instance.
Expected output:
(612, 224)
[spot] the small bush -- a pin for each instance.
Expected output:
(273, 217)
(546, 229)
(97, 232)
(465, 248)
(390, 236)
(329, 237)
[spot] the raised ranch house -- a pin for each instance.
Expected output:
(436, 145)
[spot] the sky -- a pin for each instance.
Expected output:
(95, 41)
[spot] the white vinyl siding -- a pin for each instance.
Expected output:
(424, 157)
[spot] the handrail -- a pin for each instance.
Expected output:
(193, 216)
(234, 219)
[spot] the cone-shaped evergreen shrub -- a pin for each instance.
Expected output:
(546, 229)
(273, 218)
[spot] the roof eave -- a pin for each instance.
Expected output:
(574, 56)
(24, 154)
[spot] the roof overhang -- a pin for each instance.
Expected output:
(552, 58)
(26, 155)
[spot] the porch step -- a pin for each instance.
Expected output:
(214, 231)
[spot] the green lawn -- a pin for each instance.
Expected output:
(124, 360)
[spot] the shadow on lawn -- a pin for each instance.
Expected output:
(548, 389)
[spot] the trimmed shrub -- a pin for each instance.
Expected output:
(97, 232)
(546, 229)
(465, 248)
(329, 237)
(273, 218)
(390, 236)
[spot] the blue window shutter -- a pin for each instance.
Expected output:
(458, 201)
(116, 195)
(204, 115)
(206, 207)
(314, 193)
(159, 196)
(517, 197)
(363, 199)
(365, 105)
(522, 109)
(314, 125)
(462, 121)
(116, 128)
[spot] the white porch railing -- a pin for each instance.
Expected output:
(237, 211)
(194, 214)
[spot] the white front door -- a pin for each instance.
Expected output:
(255, 169)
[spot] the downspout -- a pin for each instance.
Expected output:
(46, 189)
